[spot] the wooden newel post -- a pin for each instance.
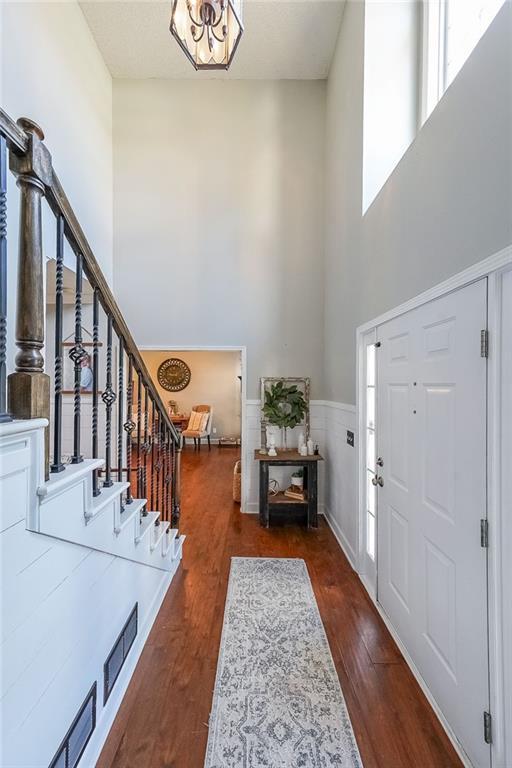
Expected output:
(29, 386)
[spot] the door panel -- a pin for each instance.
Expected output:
(439, 449)
(432, 576)
(399, 556)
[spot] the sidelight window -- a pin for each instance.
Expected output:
(370, 451)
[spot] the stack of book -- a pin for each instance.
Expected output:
(293, 492)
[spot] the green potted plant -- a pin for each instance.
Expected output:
(284, 407)
(298, 478)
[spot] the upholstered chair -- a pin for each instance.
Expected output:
(199, 425)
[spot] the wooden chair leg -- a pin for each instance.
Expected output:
(199, 443)
(184, 441)
(209, 443)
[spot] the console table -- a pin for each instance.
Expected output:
(280, 502)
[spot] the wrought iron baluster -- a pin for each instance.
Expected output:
(153, 454)
(129, 426)
(166, 474)
(4, 416)
(120, 414)
(57, 465)
(169, 475)
(77, 355)
(176, 480)
(158, 465)
(109, 398)
(147, 447)
(162, 478)
(95, 382)
(140, 446)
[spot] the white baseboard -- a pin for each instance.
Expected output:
(107, 714)
(340, 538)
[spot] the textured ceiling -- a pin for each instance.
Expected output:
(281, 39)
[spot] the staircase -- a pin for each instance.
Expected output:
(68, 510)
(89, 483)
(120, 492)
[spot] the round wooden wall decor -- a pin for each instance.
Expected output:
(173, 374)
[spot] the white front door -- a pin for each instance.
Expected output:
(432, 568)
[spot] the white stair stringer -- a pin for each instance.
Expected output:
(67, 510)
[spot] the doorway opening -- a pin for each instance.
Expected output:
(202, 389)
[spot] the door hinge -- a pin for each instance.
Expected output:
(484, 533)
(484, 343)
(487, 728)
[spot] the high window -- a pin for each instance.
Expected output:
(451, 30)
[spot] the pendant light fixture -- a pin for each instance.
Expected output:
(208, 31)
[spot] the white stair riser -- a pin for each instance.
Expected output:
(62, 516)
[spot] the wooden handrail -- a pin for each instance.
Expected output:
(19, 142)
(16, 137)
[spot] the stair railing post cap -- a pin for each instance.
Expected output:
(29, 126)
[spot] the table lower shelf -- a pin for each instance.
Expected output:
(279, 499)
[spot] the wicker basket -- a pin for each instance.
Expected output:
(237, 482)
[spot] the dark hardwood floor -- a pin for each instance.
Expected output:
(163, 720)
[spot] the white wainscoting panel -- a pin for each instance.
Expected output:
(341, 476)
(63, 606)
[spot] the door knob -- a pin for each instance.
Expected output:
(377, 480)
(380, 461)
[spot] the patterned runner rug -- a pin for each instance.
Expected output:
(277, 701)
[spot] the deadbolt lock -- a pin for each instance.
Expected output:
(380, 461)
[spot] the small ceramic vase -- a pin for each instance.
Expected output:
(311, 447)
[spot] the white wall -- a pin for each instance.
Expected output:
(447, 204)
(218, 218)
(214, 381)
(53, 73)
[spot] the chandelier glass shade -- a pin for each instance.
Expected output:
(208, 31)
